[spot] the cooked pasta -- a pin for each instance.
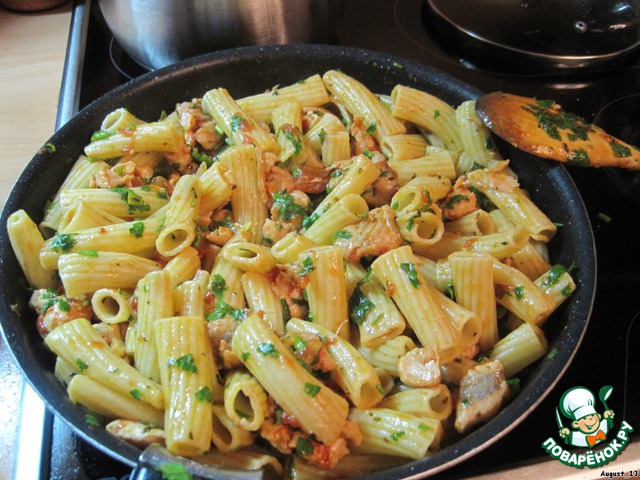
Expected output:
(304, 280)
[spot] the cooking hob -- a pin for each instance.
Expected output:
(96, 64)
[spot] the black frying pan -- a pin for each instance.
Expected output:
(246, 71)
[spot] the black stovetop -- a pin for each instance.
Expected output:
(399, 27)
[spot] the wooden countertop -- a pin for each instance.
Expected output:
(32, 55)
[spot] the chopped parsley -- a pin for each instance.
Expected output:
(63, 242)
(82, 365)
(135, 393)
(341, 234)
(186, 363)
(204, 395)
(137, 229)
(218, 285)
(359, 306)
(223, 309)
(173, 471)
(395, 436)
(267, 349)
(287, 207)
(135, 202)
(410, 270)
(88, 253)
(311, 389)
(304, 447)
(307, 267)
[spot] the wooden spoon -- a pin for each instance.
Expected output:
(542, 128)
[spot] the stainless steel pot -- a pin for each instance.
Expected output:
(156, 33)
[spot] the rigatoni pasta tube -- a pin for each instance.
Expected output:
(179, 224)
(361, 102)
(261, 298)
(186, 362)
(474, 289)
(475, 137)
(376, 315)
(437, 162)
(320, 411)
(386, 355)
(155, 301)
(27, 241)
(433, 402)
(250, 257)
(77, 343)
(112, 306)
(511, 200)
(246, 199)
(289, 247)
(226, 435)
(136, 202)
(326, 290)
(79, 177)
(83, 273)
(156, 136)
(103, 400)
(396, 270)
(237, 124)
(245, 401)
(429, 112)
(520, 348)
(392, 432)
(217, 184)
(354, 375)
(500, 244)
(82, 216)
(126, 237)
(521, 296)
(404, 146)
(360, 173)
(348, 210)
(310, 92)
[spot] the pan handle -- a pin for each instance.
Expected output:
(156, 455)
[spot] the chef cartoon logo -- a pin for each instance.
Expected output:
(586, 424)
(588, 427)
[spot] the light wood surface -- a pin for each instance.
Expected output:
(32, 54)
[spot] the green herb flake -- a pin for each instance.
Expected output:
(186, 363)
(218, 285)
(268, 349)
(245, 356)
(137, 229)
(359, 306)
(304, 447)
(82, 365)
(307, 267)
(372, 128)
(223, 309)
(47, 148)
(204, 395)
(174, 471)
(412, 272)
(311, 389)
(88, 253)
(134, 201)
(604, 217)
(63, 242)
(341, 235)
(579, 158)
(287, 207)
(620, 150)
(519, 291)
(395, 436)
(135, 393)
(238, 123)
(92, 420)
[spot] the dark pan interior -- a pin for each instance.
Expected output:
(247, 71)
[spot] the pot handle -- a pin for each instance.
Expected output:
(156, 455)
